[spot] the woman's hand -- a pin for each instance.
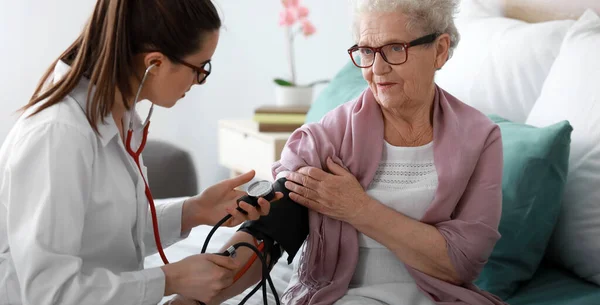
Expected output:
(199, 277)
(220, 199)
(338, 195)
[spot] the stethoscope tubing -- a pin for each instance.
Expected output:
(135, 154)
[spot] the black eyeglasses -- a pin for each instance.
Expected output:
(201, 72)
(393, 53)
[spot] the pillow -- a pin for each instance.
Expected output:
(346, 85)
(500, 64)
(534, 175)
(571, 93)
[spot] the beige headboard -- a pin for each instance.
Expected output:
(544, 10)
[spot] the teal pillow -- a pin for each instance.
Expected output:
(534, 175)
(347, 85)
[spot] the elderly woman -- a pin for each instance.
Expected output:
(403, 184)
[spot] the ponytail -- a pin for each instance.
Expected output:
(117, 31)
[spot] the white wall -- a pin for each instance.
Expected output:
(32, 34)
(250, 54)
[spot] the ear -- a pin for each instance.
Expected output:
(154, 58)
(442, 48)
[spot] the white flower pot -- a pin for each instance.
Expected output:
(289, 95)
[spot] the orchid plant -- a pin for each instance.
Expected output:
(294, 17)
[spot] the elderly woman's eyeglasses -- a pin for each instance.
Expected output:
(393, 53)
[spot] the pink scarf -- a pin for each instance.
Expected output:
(466, 208)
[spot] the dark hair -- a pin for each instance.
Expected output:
(117, 31)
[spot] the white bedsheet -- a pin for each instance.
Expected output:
(280, 274)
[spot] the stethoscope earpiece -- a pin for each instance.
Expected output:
(155, 63)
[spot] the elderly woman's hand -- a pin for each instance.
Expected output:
(338, 194)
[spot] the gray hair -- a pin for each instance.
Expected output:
(424, 16)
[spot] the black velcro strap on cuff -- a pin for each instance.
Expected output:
(286, 224)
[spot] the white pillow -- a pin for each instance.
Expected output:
(571, 93)
(481, 8)
(500, 64)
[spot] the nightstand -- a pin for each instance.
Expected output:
(242, 147)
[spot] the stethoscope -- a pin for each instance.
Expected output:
(259, 190)
(135, 154)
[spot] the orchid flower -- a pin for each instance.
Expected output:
(294, 13)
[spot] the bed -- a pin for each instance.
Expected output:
(558, 278)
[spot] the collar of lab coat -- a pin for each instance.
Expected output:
(107, 130)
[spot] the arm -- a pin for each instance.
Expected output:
(173, 225)
(417, 244)
(174, 222)
(286, 225)
(48, 182)
(251, 277)
(309, 145)
(456, 250)
(472, 232)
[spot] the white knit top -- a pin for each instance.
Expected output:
(406, 181)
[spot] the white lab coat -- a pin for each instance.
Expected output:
(74, 220)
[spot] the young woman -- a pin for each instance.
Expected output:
(75, 218)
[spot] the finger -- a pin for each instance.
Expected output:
(236, 216)
(313, 172)
(241, 179)
(309, 203)
(295, 177)
(304, 180)
(222, 261)
(237, 194)
(253, 213)
(301, 190)
(265, 206)
(335, 168)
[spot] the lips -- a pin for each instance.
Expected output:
(385, 85)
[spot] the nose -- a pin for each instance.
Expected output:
(193, 83)
(380, 66)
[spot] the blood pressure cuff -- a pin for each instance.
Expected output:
(286, 225)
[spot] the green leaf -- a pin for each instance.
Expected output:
(282, 82)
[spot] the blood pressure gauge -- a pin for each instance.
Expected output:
(262, 188)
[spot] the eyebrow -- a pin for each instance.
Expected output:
(385, 43)
(204, 62)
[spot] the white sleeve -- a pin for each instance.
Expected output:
(49, 180)
(169, 226)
